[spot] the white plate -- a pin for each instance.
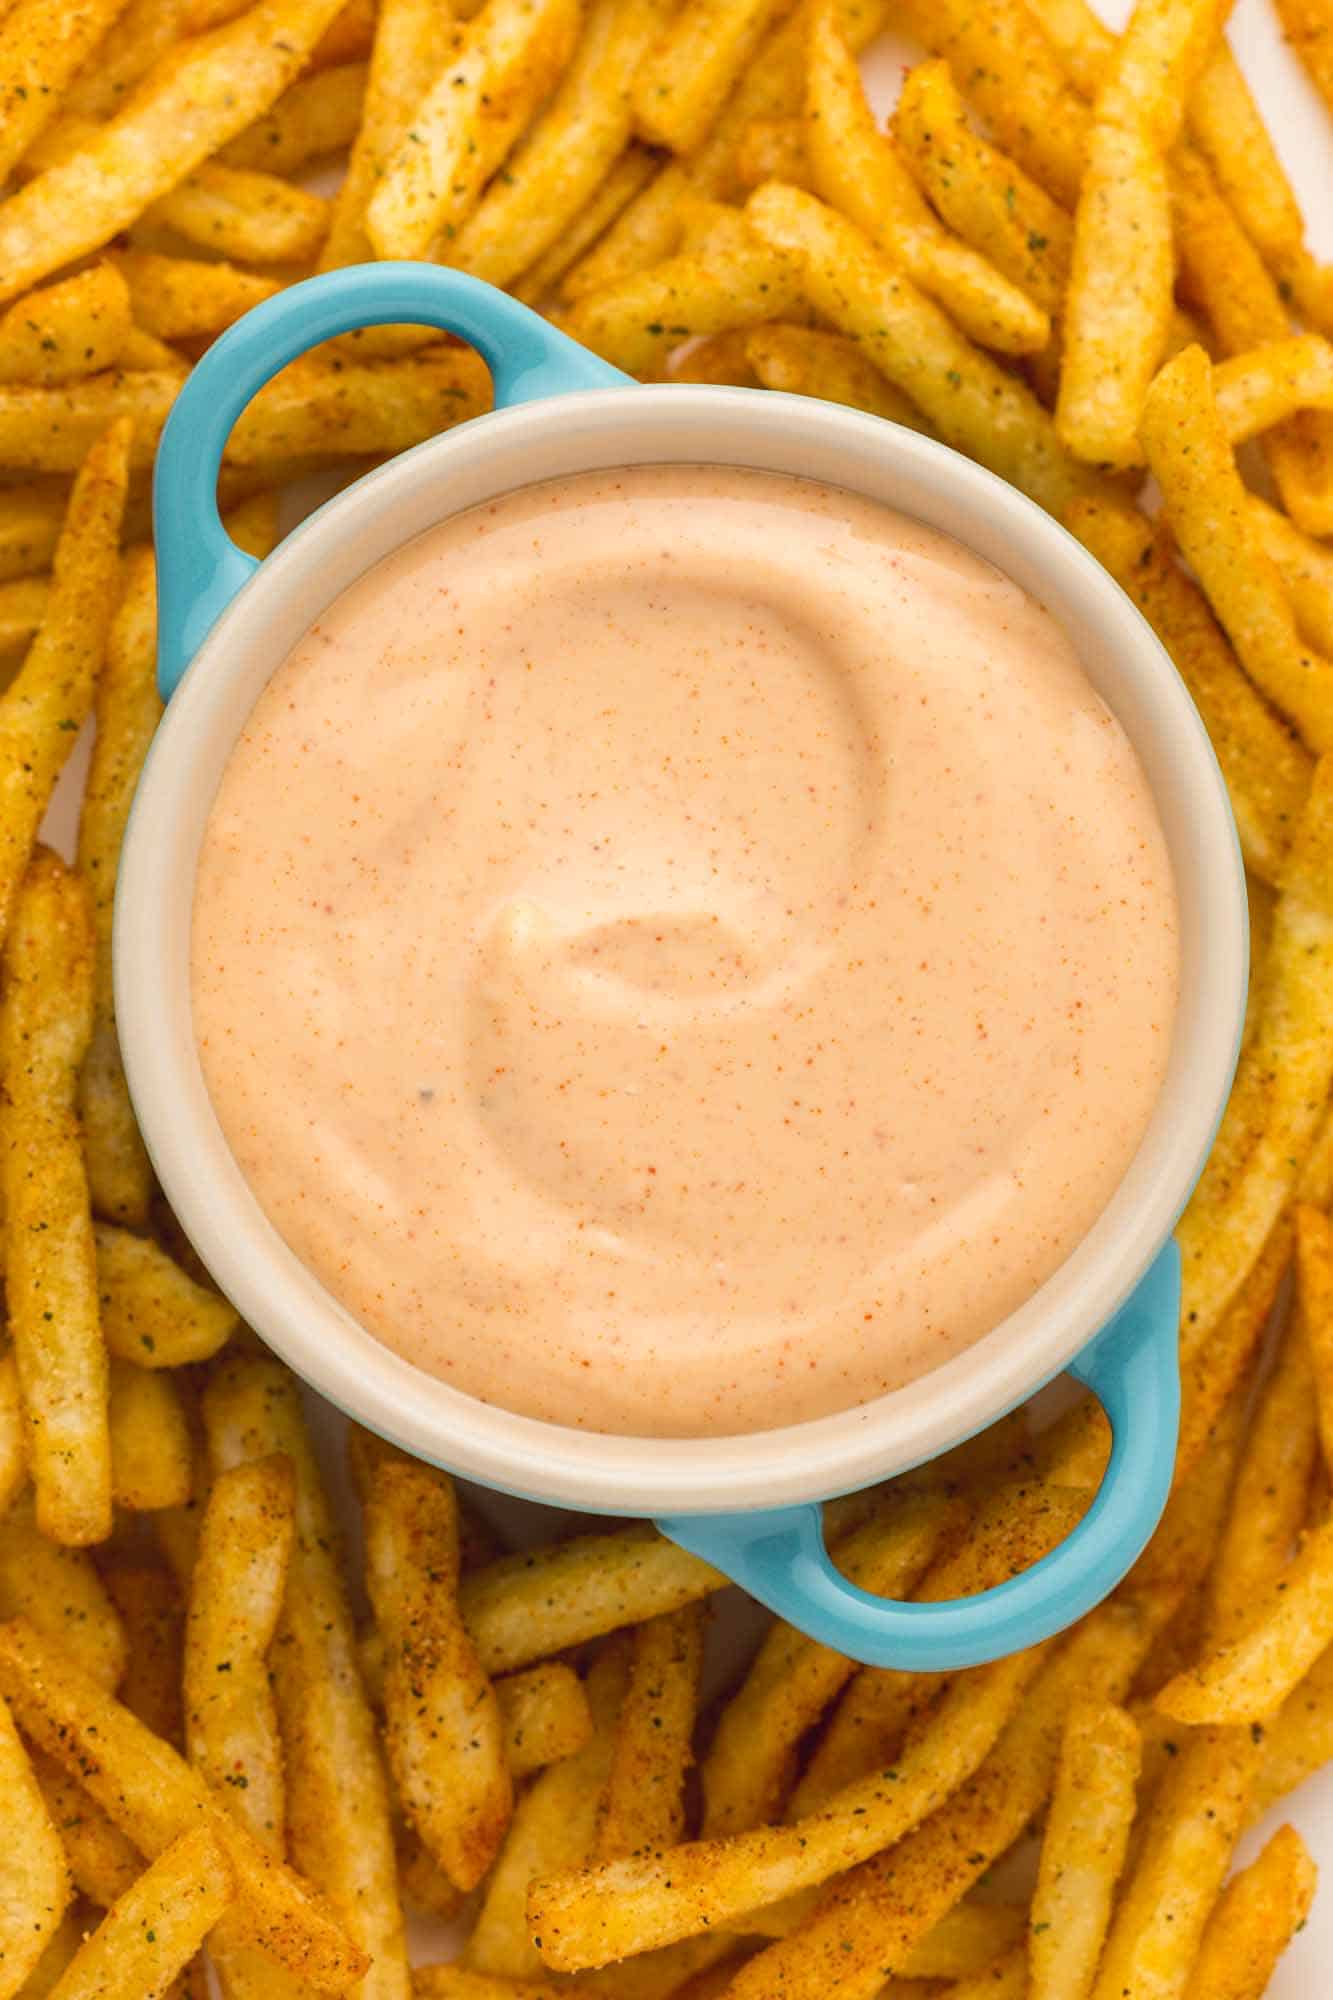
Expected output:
(1303, 134)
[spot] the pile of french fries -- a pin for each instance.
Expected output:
(1073, 256)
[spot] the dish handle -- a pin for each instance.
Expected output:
(779, 1555)
(200, 568)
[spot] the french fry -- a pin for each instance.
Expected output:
(443, 1729)
(102, 1862)
(1314, 1281)
(1228, 128)
(1254, 391)
(156, 1928)
(552, 1828)
(56, 430)
(13, 1436)
(988, 199)
(805, 362)
(183, 298)
(338, 1825)
(1266, 768)
(643, 1802)
(60, 1592)
(722, 358)
(1306, 569)
(751, 1759)
(186, 108)
(626, 178)
(1298, 1741)
(686, 79)
(858, 171)
(42, 46)
(152, 1312)
(243, 214)
(1083, 1851)
(152, 1795)
(35, 1881)
(50, 1267)
(971, 402)
(1306, 26)
(544, 1715)
(30, 524)
(773, 149)
(1255, 1919)
(70, 329)
(144, 352)
(339, 408)
(545, 1600)
(141, 32)
(150, 1609)
(1224, 1229)
(647, 1900)
(231, 1724)
(150, 1442)
(502, 68)
(1155, 64)
(23, 606)
(318, 115)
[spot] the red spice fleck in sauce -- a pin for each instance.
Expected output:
(683, 950)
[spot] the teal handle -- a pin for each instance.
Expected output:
(200, 568)
(779, 1556)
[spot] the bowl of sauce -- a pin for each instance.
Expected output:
(679, 952)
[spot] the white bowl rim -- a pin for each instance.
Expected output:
(254, 1267)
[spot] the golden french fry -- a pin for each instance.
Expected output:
(1314, 1280)
(1306, 26)
(56, 430)
(320, 114)
(241, 213)
(1083, 1851)
(153, 1932)
(336, 408)
(142, 31)
(152, 1795)
(751, 1759)
(338, 1824)
(442, 1723)
(231, 1724)
(1298, 1741)
(1156, 63)
(146, 353)
(552, 1828)
(545, 1600)
(971, 402)
(188, 106)
(50, 1267)
(1256, 390)
(1229, 130)
(149, 1606)
(150, 1440)
(1267, 770)
(13, 1433)
(643, 1803)
(722, 358)
(773, 149)
(502, 67)
(1306, 569)
(181, 298)
(686, 79)
(1256, 1917)
(35, 1881)
(635, 1904)
(1083, 43)
(1118, 305)
(623, 181)
(1288, 1071)
(544, 1714)
(859, 171)
(30, 524)
(70, 329)
(23, 606)
(42, 45)
(152, 1312)
(103, 1863)
(60, 1592)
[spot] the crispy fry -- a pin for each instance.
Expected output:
(1298, 1741)
(156, 1928)
(240, 213)
(60, 1592)
(1306, 569)
(1267, 770)
(181, 298)
(1083, 1851)
(544, 1714)
(35, 1882)
(1154, 65)
(70, 329)
(338, 1824)
(1229, 130)
(722, 358)
(443, 1730)
(501, 69)
(30, 524)
(150, 1608)
(152, 1312)
(1314, 1278)
(1255, 1919)
(320, 114)
(150, 1442)
(773, 149)
(56, 430)
(623, 181)
(1254, 391)
(186, 108)
(23, 606)
(142, 32)
(643, 1803)
(859, 171)
(153, 1796)
(1249, 1678)
(686, 79)
(805, 362)
(1083, 43)
(231, 1724)
(42, 45)
(103, 1863)
(50, 1267)
(340, 408)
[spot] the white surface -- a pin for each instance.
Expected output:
(1304, 137)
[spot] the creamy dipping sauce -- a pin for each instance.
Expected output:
(682, 951)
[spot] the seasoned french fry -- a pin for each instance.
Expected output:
(70, 329)
(320, 114)
(623, 180)
(773, 149)
(623, 1907)
(1254, 1921)
(23, 606)
(50, 1267)
(42, 45)
(1249, 1678)
(544, 1714)
(971, 402)
(1298, 1741)
(142, 31)
(805, 362)
(102, 1862)
(182, 298)
(643, 1803)
(1267, 770)
(60, 1592)
(1254, 391)
(243, 214)
(1314, 1277)
(722, 358)
(152, 1312)
(338, 1825)
(685, 80)
(150, 1441)
(1083, 1851)
(502, 67)
(150, 1608)
(56, 430)
(443, 1729)
(156, 1928)
(552, 1828)
(30, 524)
(1229, 130)
(1306, 569)
(341, 408)
(185, 109)
(231, 1724)
(35, 1881)
(152, 1795)
(1155, 64)
(545, 1600)
(1306, 25)
(859, 171)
